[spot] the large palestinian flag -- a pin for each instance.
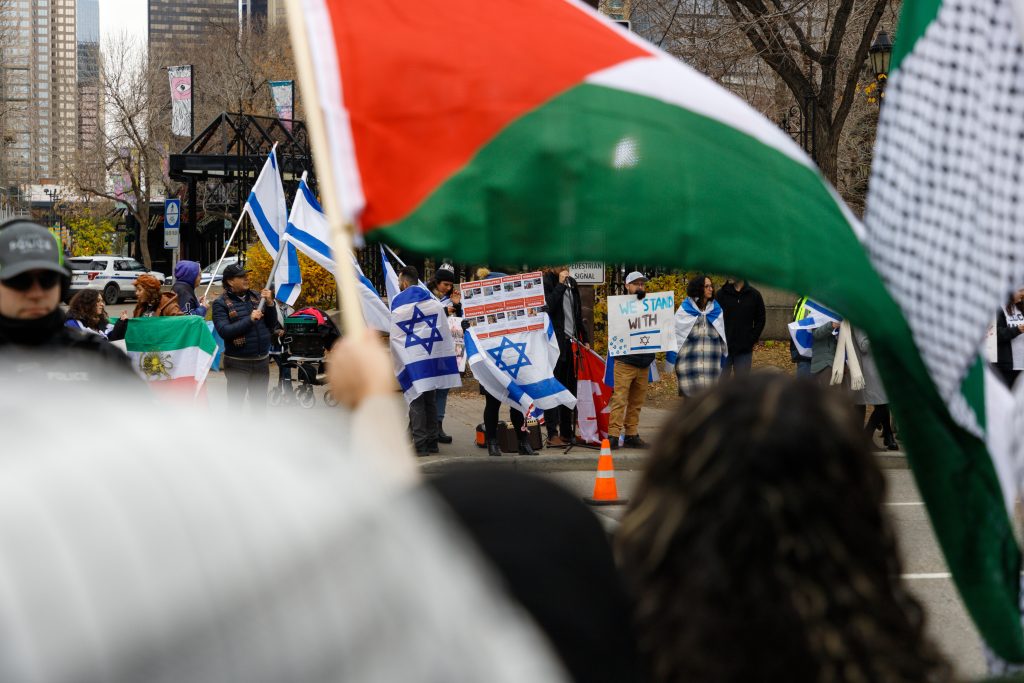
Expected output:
(534, 131)
(175, 352)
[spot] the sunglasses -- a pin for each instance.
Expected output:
(46, 279)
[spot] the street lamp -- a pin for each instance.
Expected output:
(880, 55)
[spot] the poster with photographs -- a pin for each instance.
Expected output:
(505, 305)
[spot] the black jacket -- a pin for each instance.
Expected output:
(1004, 351)
(46, 349)
(243, 338)
(554, 292)
(744, 316)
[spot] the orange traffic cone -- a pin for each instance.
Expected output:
(605, 491)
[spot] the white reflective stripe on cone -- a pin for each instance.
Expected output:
(609, 474)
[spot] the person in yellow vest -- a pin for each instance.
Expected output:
(803, 364)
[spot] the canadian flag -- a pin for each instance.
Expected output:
(593, 396)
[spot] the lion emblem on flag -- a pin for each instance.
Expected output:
(156, 365)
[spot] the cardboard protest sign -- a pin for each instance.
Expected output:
(641, 325)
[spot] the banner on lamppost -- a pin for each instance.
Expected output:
(181, 100)
(283, 94)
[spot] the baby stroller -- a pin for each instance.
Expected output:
(308, 335)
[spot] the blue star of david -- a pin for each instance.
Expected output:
(412, 339)
(498, 353)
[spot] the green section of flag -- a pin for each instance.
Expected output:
(171, 333)
(601, 174)
(915, 18)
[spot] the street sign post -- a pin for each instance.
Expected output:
(172, 223)
(587, 272)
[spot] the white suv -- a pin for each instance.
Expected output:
(112, 275)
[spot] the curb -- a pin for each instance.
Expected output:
(624, 462)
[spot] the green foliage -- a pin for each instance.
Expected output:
(91, 235)
(318, 287)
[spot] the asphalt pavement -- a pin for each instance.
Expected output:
(925, 569)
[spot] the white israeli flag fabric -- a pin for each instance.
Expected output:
(421, 344)
(390, 276)
(309, 231)
(268, 211)
(800, 331)
(518, 369)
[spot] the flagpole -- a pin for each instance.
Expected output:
(348, 296)
(223, 254)
(273, 269)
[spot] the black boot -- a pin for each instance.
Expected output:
(493, 448)
(524, 445)
(441, 436)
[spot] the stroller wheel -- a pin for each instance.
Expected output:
(305, 396)
(329, 399)
(275, 396)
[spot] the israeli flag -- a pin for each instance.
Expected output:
(390, 276)
(518, 369)
(309, 231)
(686, 318)
(421, 344)
(268, 211)
(801, 331)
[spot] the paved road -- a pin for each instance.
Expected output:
(926, 571)
(925, 568)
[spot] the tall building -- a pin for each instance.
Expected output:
(175, 23)
(90, 99)
(271, 12)
(39, 123)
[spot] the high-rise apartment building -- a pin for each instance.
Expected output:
(90, 99)
(174, 23)
(39, 123)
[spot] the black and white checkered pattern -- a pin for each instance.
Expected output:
(945, 216)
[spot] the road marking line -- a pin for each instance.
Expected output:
(904, 504)
(937, 575)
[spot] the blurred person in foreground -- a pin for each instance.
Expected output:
(555, 560)
(246, 560)
(33, 337)
(758, 548)
(87, 312)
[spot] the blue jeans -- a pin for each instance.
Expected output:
(803, 368)
(737, 364)
(442, 401)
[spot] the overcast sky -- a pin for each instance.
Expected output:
(123, 15)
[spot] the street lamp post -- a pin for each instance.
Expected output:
(880, 55)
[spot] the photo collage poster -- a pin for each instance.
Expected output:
(504, 305)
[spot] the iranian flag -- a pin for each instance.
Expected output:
(536, 131)
(174, 352)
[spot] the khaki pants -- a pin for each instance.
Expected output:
(628, 397)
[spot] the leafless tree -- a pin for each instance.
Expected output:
(815, 51)
(127, 166)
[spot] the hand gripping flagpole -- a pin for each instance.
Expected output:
(227, 246)
(348, 295)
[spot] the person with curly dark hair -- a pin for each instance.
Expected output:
(758, 550)
(86, 312)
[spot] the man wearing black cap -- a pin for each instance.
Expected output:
(443, 287)
(246, 331)
(32, 279)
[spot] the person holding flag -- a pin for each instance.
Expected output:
(424, 355)
(442, 286)
(246, 330)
